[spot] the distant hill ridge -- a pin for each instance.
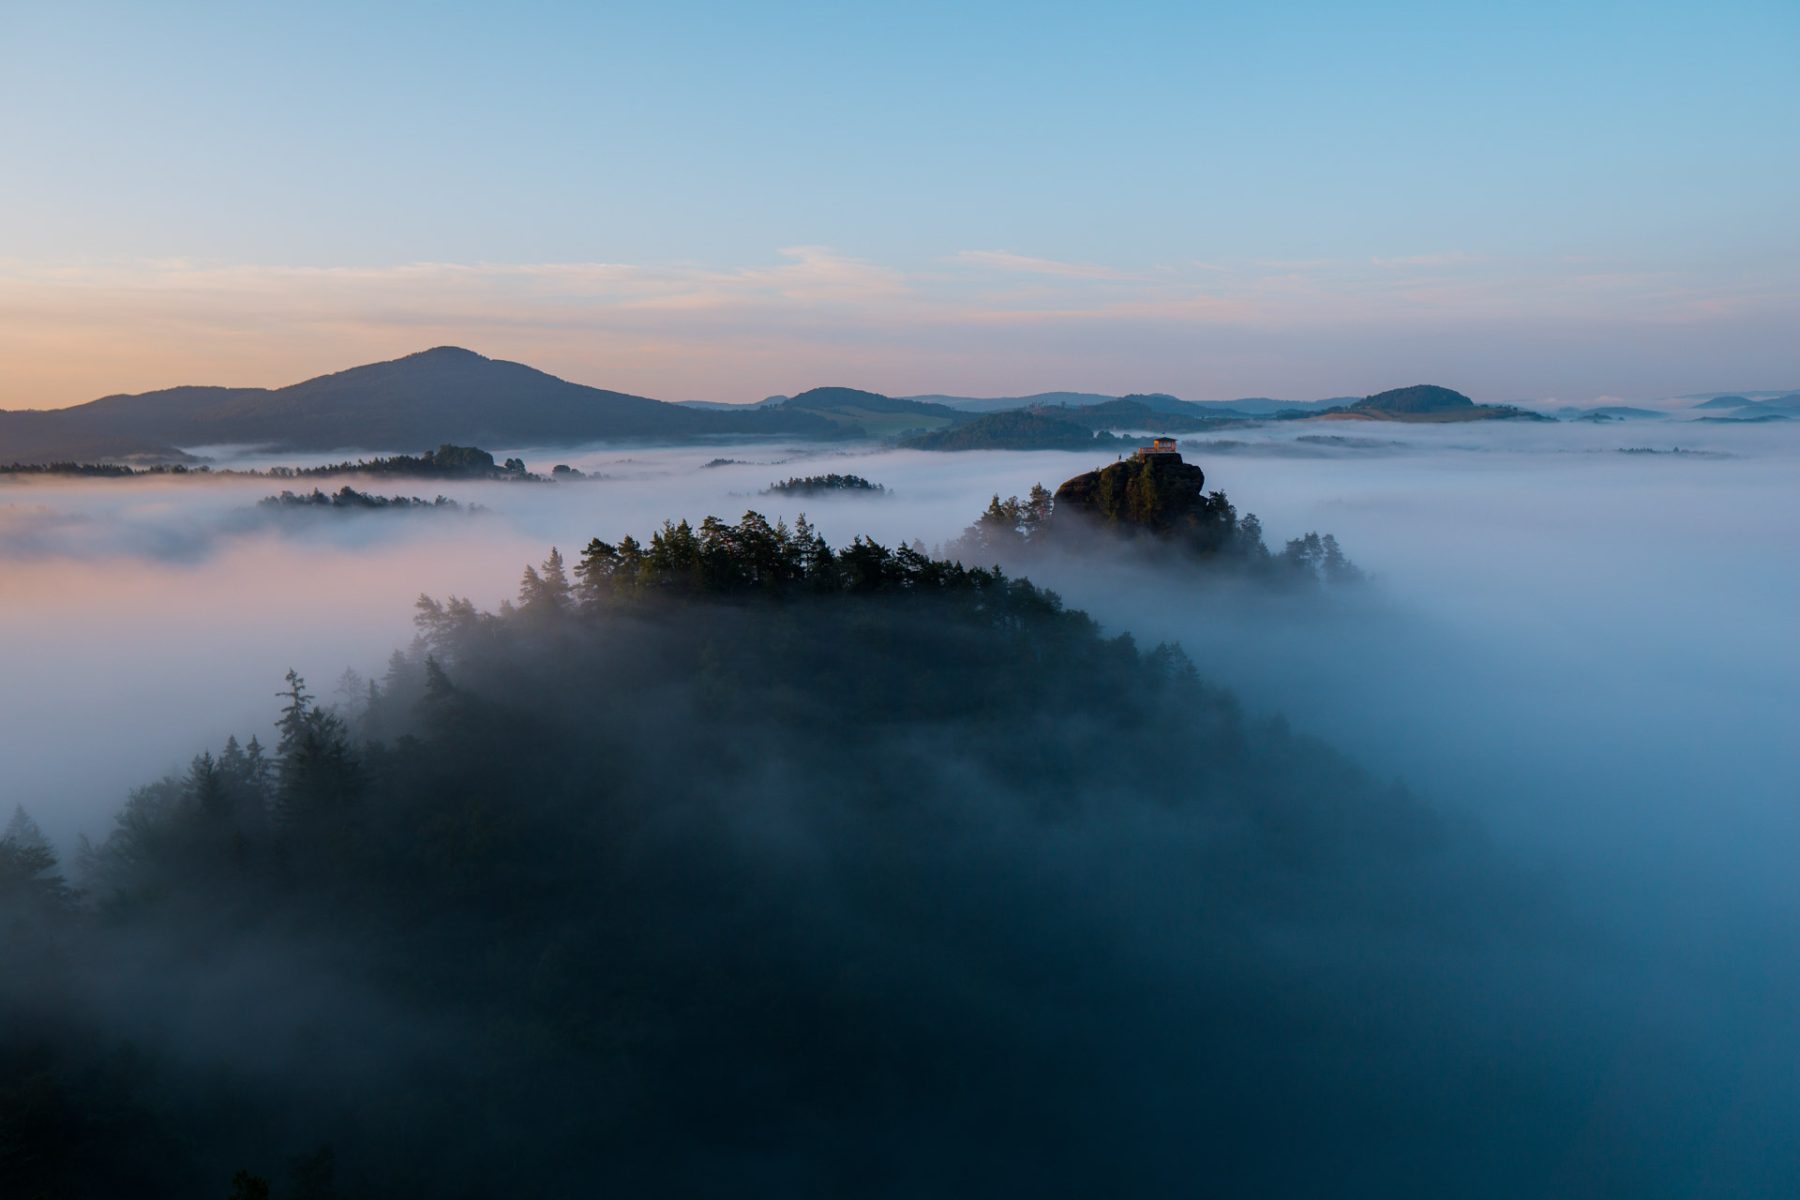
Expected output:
(1429, 403)
(450, 394)
(438, 395)
(1254, 406)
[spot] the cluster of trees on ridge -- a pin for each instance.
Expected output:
(724, 858)
(809, 485)
(349, 499)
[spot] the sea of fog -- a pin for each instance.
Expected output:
(1586, 647)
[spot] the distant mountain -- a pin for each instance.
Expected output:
(1016, 430)
(442, 395)
(844, 399)
(1427, 403)
(870, 414)
(1421, 398)
(1253, 406)
(1132, 412)
(1780, 406)
(1755, 406)
(723, 406)
(33, 436)
(983, 404)
(1609, 412)
(1263, 406)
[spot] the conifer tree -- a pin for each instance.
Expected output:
(28, 862)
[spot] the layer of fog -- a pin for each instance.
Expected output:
(1589, 649)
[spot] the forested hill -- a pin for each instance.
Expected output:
(445, 394)
(731, 861)
(1429, 404)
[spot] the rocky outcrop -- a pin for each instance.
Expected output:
(1157, 495)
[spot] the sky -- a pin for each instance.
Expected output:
(717, 201)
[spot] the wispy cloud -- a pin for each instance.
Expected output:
(1005, 260)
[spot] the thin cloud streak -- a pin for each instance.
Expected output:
(1003, 260)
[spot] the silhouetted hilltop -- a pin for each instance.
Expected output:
(444, 394)
(1428, 403)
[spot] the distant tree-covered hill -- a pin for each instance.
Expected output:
(870, 414)
(446, 394)
(1428, 404)
(1132, 412)
(1249, 406)
(1016, 431)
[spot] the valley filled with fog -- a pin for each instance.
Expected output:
(1597, 617)
(1574, 644)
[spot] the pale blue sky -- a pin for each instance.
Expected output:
(1531, 200)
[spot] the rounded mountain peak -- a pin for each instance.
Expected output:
(1420, 398)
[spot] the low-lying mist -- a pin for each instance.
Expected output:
(1578, 653)
(1528, 583)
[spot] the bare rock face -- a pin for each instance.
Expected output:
(1157, 495)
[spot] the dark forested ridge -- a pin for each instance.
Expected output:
(723, 861)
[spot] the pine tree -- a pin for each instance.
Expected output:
(28, 862)
(316, 775)
(1038, 507)
(208, 790)
(557, 592)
